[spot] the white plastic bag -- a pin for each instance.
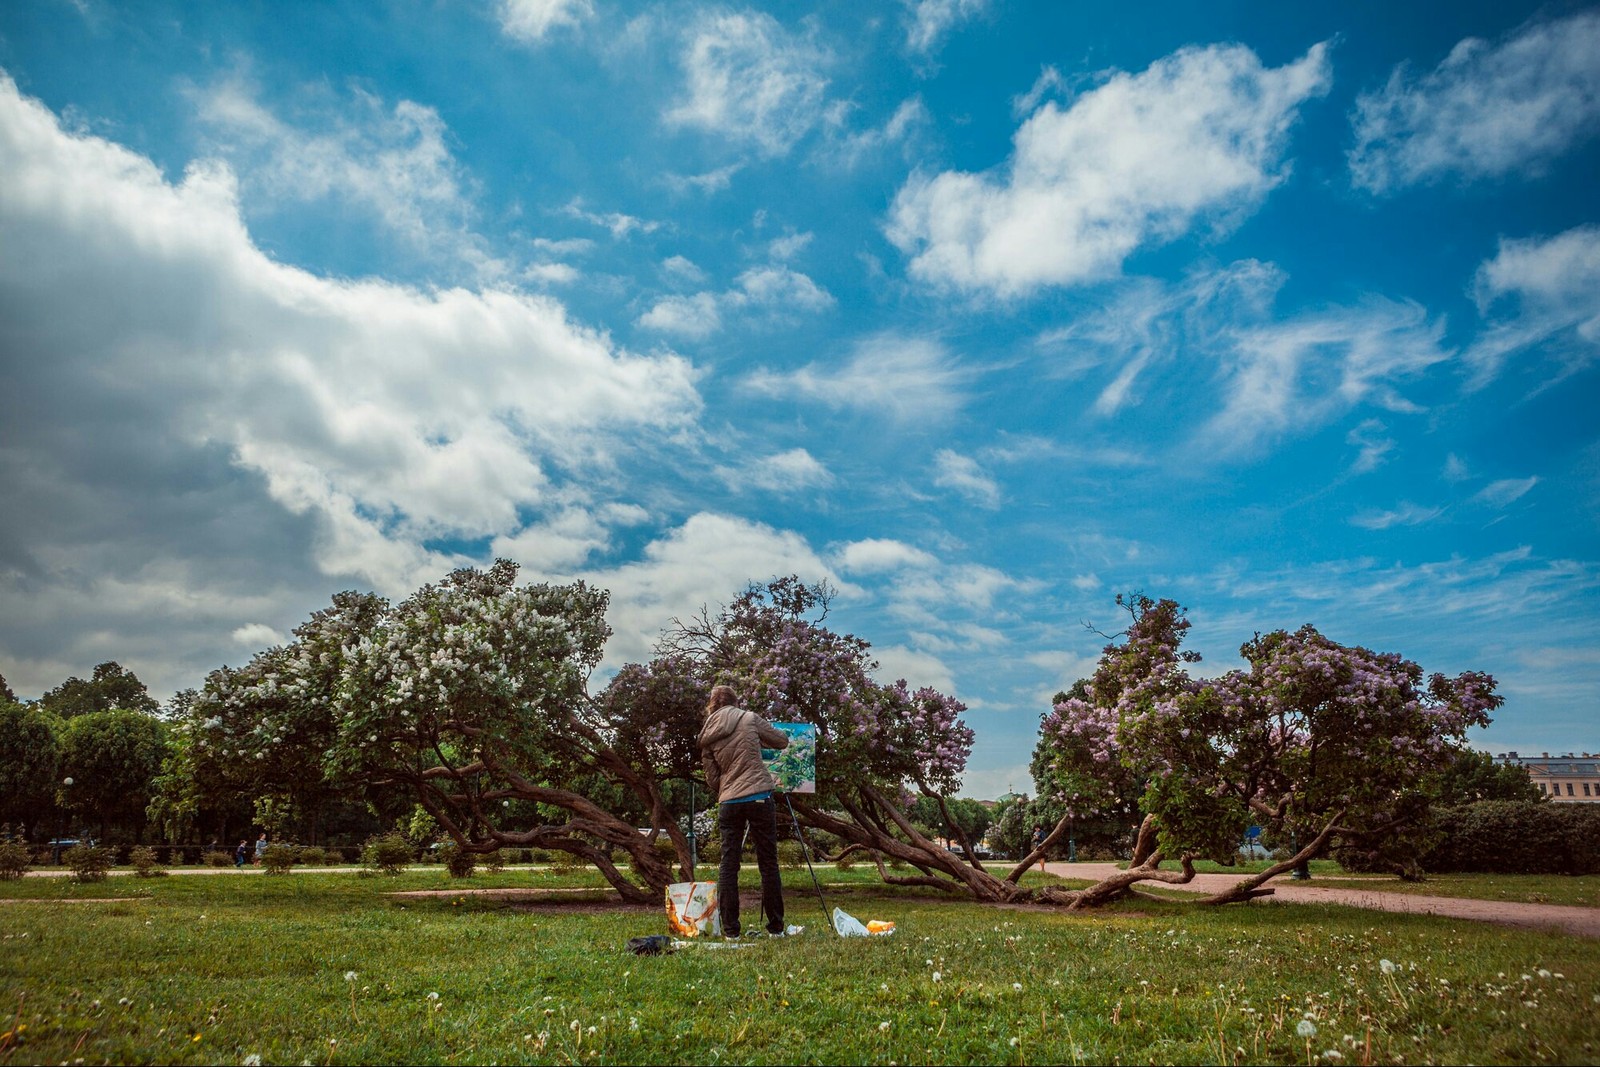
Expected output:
(692, 909)
(848, 925)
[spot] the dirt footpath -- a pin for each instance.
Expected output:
(1583, 922)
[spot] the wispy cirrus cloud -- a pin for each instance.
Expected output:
(750, 81)
(1486, 111)
(530, 21)
(782, 472)
(392, 163)
(1403, 514)
(1539, 294)
(1273, 377)
(964, 475)
(928, 22)
(1504, 492)
(1199, 135)
(898, 377)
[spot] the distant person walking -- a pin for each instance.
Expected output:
(261, 848)
(241, 853)
(730, 748)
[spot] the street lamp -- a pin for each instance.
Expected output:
(1072, 831)
(66, 783)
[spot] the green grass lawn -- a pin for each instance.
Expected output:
(333, 968)
(1583, 892)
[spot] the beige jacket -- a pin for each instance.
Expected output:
(730, 747)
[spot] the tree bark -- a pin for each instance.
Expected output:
(1038, 854)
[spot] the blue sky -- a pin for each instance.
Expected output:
(984, 311)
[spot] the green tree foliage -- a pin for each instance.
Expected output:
(113, 758)
(1474, 776)
(29, 757)
(111, 686)
(6, 695)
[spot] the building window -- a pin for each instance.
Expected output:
(1585, 788)
(1542, 789)
(1569, 789)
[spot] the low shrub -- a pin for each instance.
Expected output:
(279, 859)
(457, 860)
(143, 860)
(1515, 837)
(537, 855)
(494, 862)
(846, 860)
(390, 853)
(790, 855)
(88, 864)
(14, 859)
(313, 856)
(218, 858)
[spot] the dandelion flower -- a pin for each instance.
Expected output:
(1306, 1028)
(1017, 986)
(937, 977)
(252, 1060)
(350, 976)
(1386, 966)
(1016, 1041)
(433, 996)
(1543, 973)
(883, 1027)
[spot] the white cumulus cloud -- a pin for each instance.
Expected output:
(392, 417)
(1138, 160)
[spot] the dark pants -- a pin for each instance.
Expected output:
(760, 817)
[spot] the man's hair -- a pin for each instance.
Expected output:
(721, 697)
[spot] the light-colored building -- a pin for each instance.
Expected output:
(1568, 778)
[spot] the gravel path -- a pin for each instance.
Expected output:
(1583, 922)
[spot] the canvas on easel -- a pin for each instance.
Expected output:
(796, 766)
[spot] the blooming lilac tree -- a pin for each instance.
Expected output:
(879, 746)
(1316, 740)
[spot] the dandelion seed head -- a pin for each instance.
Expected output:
(1306, 1028)
(1386, 966)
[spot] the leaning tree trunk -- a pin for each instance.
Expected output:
(470, 820)
(1251, 887)
(879, 826)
